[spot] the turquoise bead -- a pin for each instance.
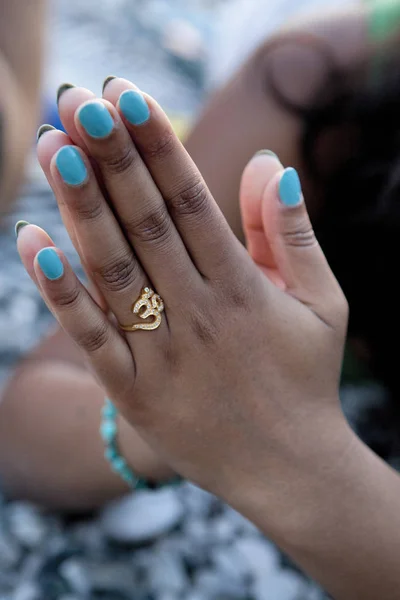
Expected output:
(110, 454)
(108, 430)
(119, 464)
(109, 412)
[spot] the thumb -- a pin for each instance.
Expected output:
(297, 253)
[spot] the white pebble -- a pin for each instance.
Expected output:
(142, 516)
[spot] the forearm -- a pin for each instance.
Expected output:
(339, 520)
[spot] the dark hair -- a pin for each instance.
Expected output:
(359, 223)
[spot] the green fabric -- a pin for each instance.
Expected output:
(384, 19)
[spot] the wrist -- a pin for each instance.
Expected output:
(290, 489)
(144, 462)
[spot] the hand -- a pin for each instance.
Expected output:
(240, 382)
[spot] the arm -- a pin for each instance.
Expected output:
(338, 517)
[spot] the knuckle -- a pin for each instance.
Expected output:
(204, 327)
(300, 235)
(154, 228)
(193, 200)
(116, 163)
(119, 274)
(91, 209)
(162, 146)
(240, 296)
(93, 340)
(67, 299)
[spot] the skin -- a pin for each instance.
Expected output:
(56, 366)
(20, 74)
(258, 428)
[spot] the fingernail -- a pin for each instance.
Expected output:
(290, 188)
(63, 88)
(18, 226)
(107, 81)
(42, 129)
(134, 107)
(96, 120)
(50, 264)
(266, 152)
(71, 166)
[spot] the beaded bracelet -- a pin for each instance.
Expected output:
(109, 433)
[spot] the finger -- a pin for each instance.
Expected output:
(204, 230)
(68, 100)
(256, 176)
(78, 315)
(140, 207)
(298, 256)
(50, 140)
(108, 257)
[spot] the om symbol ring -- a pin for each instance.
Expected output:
(148, 305)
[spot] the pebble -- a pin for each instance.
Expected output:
(10, 550)
(107, 576)
(26, 591)
(260, 556)
(75, 574)
(198, 503)
(26, 524)
(283, 585)
(167, 573)
(142, 516)
(215, 586)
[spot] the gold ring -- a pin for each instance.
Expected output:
(149, 304)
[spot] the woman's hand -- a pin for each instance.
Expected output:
(239, 384)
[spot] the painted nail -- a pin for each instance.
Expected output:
(63, 88)
(290, 188)
(267, 153)
(50, 264)
(134, 107)
(71, 166)
(43, 129)
(19, 225)
(107, 81)
(96, 120)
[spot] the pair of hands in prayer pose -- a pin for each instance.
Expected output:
(238, 387)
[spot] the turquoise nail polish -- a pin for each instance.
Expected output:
(134, 107)
(50, 263)
(96, 120)
(290, 188)
(71, 166)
